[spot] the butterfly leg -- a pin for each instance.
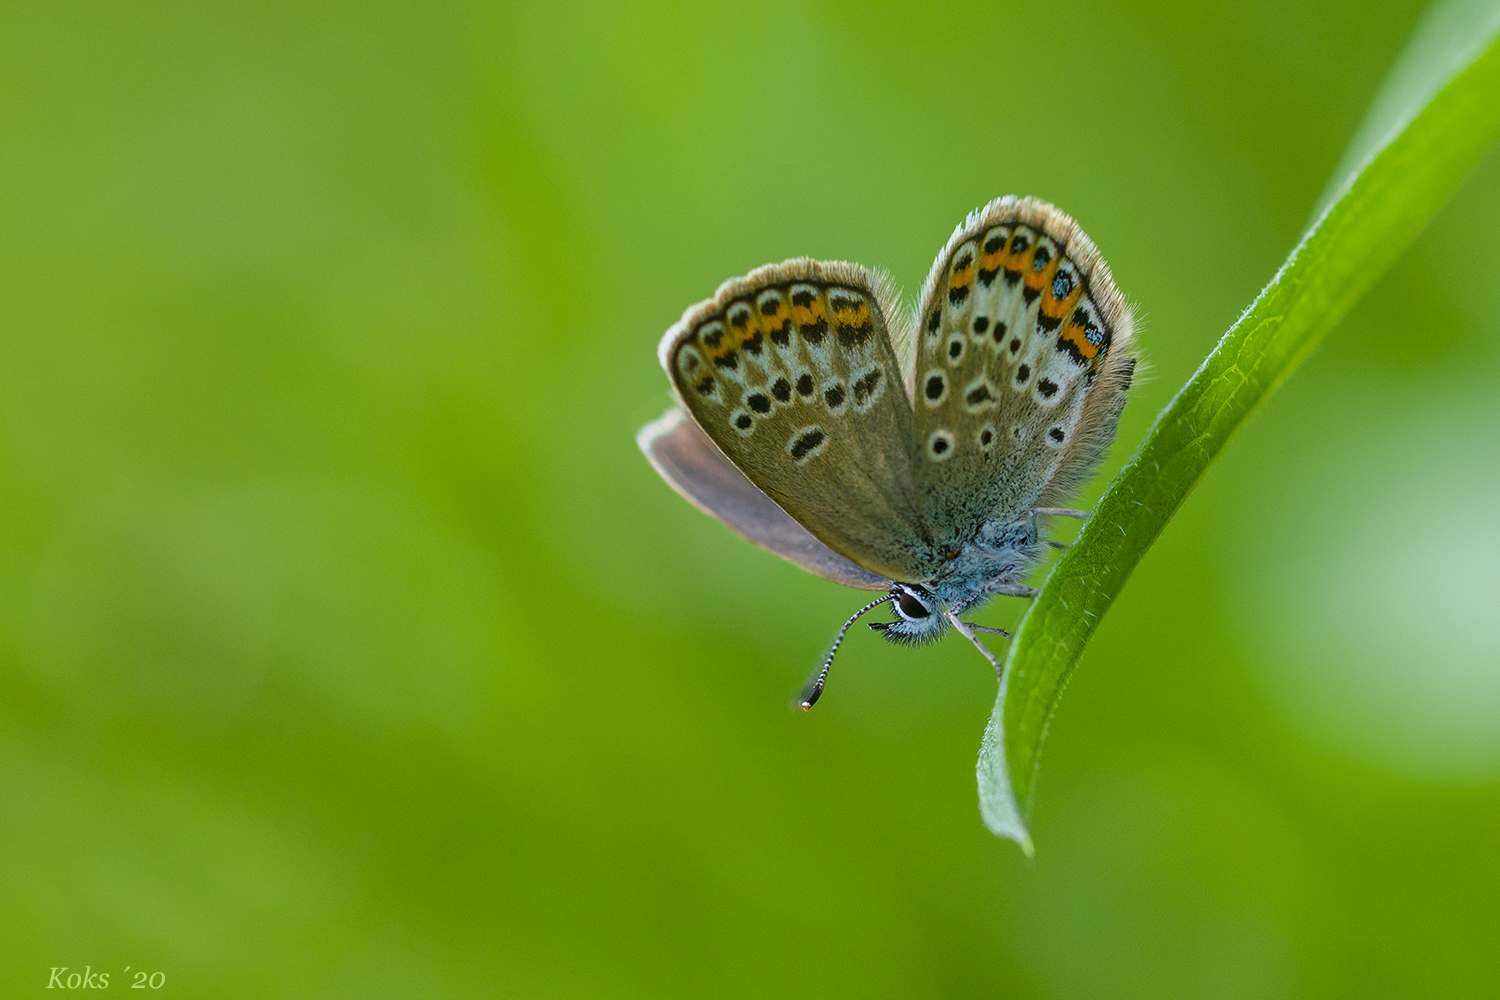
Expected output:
(1082, 515)
(985, 628)
(967, 631)
(1015, 590)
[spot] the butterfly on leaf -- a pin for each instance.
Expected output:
(914, 453)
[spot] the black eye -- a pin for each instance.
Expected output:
(911, 607)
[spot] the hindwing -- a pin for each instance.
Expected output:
(1023, 354)
(684, 456)
(791, 373)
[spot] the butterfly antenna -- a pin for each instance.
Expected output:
(814, 689)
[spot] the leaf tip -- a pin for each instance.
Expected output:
(1012, 829)
(997, 802)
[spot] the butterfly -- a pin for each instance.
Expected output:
(914, 453)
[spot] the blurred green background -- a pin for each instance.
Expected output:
(349, 648)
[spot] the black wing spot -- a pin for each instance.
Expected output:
(1046, 387)
(1043, 256)
(781, 336)
(955, 349)
(979, 395)
(739, 318)
(957, 295)
(1019, 243)
(813, 332)
(802, 298)
(1015, 345)
(834, 396)
(806, 443)
(852, 336)
(782, 390)
(1066, 346)
(1056, 434)
(759, 403)
(981, 324)
(866, 385)
(999, 333)
(1022, 374)
(1029, 294)
(754, 343)
(934, 320)
(707, 387)
(805, 384)
(743, 421)
(935, 387)
(1062, 285)
(730, 360)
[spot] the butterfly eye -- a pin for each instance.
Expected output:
(911, 607)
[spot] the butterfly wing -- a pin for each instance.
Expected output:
(691, 465)
(791, 373)
(1023, 356)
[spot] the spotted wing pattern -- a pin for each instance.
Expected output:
(790, 372)
(684, 456)
(1023, 356)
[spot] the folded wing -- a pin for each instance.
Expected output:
(1023, 355)
(689, 462)
(791, 373)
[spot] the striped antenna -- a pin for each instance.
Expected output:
(814, 689)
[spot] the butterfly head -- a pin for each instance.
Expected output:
(919, 616)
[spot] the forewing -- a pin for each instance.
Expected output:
(790, 372)
(1023, 356)
(689, 462)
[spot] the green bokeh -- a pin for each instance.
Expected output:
(349, 648)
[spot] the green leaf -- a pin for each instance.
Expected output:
(1436, 114)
